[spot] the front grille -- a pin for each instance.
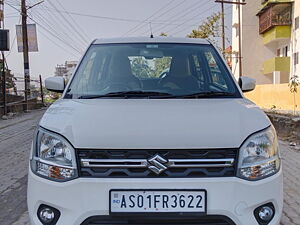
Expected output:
(157, 163)
(157, 220)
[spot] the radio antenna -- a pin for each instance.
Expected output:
(151, 35)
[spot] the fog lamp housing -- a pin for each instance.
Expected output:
(48, 215)
(264, 214)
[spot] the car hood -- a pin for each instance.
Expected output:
(155, 123)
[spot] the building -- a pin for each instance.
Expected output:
(270, 46)
(66, 69)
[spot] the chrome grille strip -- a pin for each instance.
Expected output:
(114, 163)
(199, 163)
(143, 163)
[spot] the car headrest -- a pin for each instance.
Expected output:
(180, 67)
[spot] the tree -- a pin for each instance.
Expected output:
(163, 34)
(209, 29)
(161, 65)
(140, 67)
(9, 78)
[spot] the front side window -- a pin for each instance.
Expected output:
(152, 70)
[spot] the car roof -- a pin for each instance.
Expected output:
(150, 40)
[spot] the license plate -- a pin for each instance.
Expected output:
(158, 201)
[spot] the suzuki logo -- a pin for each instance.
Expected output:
(157, 164)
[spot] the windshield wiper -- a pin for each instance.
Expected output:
(127, 94)
(208, 94)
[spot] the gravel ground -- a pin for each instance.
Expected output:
(15, 140)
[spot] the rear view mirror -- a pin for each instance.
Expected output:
(247, 84)
(151, 53)
(55, 84)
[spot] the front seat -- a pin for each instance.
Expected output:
(180, 76)
(120, 75)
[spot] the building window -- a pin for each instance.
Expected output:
(297, 23)
(278, 52)
(296, 58)
(285, 51)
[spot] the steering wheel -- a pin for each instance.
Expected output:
(163, 75)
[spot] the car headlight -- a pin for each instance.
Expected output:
(259, 156)
(53, 157)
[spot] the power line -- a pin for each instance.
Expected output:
(70, 26)
(62, 34)
(74, 28)
(54, 35)
(57, 37)
(49, 23)
(35, 4)
(53, 42)
(93, 16)
(167, 12)
(118, 19)
(10, 5)
(192, 19)
(74, 21)
(53, 31)
(49, 20)
(113, 18)
(160, 22)
(16, 3)
(195, 16)
(182, 14)
(146, 20)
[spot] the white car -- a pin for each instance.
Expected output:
(125, 145)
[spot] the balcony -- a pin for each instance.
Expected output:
(274, 14)
(281, 64)
(277, 33)
(265, 3)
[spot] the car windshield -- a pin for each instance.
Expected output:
(146, 70)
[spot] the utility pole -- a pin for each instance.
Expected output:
(4, 84)
(223, 27)
(41, 87)
(3, 62)
(25, 52)
(240, 42)
(239, 3)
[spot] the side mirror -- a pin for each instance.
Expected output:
(55, 84)
(247, 84)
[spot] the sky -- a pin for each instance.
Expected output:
(65, 28)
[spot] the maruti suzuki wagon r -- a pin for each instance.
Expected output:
(154, 131)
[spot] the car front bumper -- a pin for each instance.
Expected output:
(82, 198)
